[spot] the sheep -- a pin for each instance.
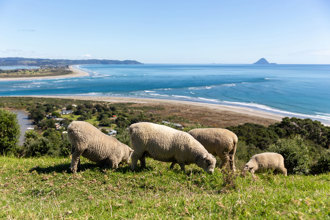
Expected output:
(263, 161)
(168, 145)
(91, 143)
(218, 142)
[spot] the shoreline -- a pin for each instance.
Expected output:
(212, 107)
(76, 72)
(220, 113)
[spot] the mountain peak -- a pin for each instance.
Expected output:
(262, 61)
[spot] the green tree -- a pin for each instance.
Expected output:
(9, 132)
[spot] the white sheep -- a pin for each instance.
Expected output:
(264, 161)
(218, 142)
(90, 142)
(168, 145)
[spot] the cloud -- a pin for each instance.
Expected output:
(87, 56)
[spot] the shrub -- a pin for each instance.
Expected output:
(122, 122)
(105, 122)
(37, 114)
(306, 128)
(245, 152)
(51, 143)
(296, 153)
(123, 136)
(257, 135)
(35, 145)
(9, 132)
(322, 165)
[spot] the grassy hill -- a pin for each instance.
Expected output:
(39, 188)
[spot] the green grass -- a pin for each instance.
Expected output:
(40, 188)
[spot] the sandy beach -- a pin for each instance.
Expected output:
(75, 73)
(204, 113)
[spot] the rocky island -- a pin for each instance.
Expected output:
(263, 61)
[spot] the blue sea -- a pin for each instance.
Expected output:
(291, 90)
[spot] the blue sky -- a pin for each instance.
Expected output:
(178, 31)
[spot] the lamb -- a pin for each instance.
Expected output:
(168, 145)
(218, 142)
(91, 143)
(263, 161)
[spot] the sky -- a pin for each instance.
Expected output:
(171, 31)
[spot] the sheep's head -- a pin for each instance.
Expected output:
(127, 154)
(248, 167)
(207, 162)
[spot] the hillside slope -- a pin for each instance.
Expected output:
(40, 188)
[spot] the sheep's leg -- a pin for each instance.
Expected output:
(182, 166)
(114, 165)
(225, 159)
(232, 159)
(172, 165)
(253, 175)
(143, 161)
(75, 160)
(135, 157)
(109, 163)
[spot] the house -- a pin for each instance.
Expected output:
(58, 126)
(176, 125)
(112, 133)
(66, 112)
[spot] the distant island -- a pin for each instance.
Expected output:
(20, 61)
(263, 61)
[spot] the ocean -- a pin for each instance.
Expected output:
(290, 90)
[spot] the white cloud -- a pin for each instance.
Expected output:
(87, 56)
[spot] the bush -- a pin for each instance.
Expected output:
(123, 136)
(306, 128)
(9, 132)
(245, 152)
(122, 122)
(105, 122)
(37, 114)
(296, 153)
(322, 165)
(51, 143)
(257, 135)
(34, 145)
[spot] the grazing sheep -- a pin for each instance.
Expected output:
(91, 143)
(168, 145)
(263, 161)
(219, 142)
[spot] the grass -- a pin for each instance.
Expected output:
(39, 188)
(34, 72)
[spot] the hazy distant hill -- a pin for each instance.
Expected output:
(13, 61)
(263, 61)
